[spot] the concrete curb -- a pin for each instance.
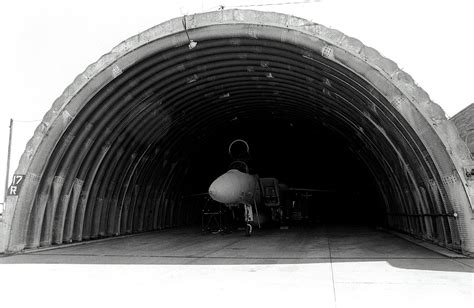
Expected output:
(435, 248)
(100, 240)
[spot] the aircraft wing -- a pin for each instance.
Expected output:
(196, 195)
(299, 189)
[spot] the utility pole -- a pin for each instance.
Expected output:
(8, 162)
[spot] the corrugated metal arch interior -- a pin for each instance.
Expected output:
(124, 148)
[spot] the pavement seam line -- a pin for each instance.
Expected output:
(332, 270)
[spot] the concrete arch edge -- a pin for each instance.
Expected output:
(342, 49)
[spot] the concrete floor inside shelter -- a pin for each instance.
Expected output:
(324, 266)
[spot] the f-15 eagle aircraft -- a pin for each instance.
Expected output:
(263, 199)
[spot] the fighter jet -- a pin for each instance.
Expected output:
(263, 199)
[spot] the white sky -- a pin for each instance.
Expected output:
(46, 44)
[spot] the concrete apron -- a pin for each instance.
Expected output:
(182, 267)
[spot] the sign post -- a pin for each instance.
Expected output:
(8, 162)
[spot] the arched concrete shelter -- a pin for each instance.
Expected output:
(113, 153)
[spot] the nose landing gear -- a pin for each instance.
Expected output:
(248, 229)
(248, 218)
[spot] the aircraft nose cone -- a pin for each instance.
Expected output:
(231, 186)
(223, 189)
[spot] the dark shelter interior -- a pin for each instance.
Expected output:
(301, 154)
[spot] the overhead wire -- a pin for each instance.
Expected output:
(26, 121)
(274, 4)
(223, 6)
